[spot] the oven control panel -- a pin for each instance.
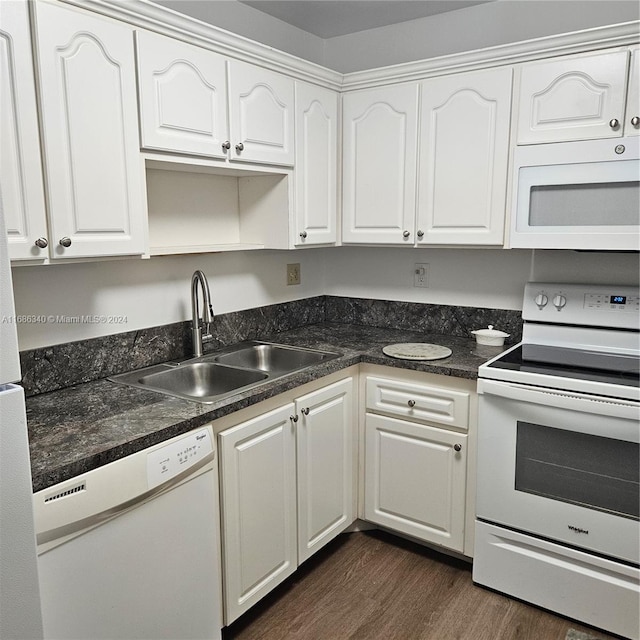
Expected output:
(591, 305)
(611, 302)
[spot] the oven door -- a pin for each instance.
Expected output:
(563, 466)
(577, 195)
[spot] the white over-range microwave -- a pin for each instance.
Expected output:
(577, 195)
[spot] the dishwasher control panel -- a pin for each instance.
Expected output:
(178, 456)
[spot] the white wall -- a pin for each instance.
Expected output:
(152, 292)
(246, 21)
(474, 27)
(586, 267)
(492, 278)
(157, 291)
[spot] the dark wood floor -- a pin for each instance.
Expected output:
(373, 586)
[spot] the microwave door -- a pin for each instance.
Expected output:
(576, 205)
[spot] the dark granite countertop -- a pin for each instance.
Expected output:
(76, 429)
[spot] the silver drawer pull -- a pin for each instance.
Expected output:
(457, 447)
(411, 403)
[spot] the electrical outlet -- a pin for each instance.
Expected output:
(421, 275)
(293, 273)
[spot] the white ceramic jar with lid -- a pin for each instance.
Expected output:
(490, 336)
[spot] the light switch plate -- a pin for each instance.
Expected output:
(421, 275)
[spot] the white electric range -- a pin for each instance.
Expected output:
(558, 496)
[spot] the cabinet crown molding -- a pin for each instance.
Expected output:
(616, 35)
(144, 14)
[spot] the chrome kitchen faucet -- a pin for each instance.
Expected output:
(207, 312)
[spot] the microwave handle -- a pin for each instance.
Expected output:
(613, 408)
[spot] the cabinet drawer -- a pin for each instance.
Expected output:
(421, 403)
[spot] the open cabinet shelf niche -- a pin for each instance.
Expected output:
(195, 208)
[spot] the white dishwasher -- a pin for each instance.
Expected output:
(131, 550)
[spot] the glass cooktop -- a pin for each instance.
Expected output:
(572, 363)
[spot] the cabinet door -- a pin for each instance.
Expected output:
(316, 165)
(20, 161)
(632, 119)
(572, 98)
(325, 437)
(183, 96)
(415, 480)
(258, 476)
(90, 130)
(261, 105)
(464, 153)
(379, 165)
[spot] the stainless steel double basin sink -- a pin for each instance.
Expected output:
(212, 377)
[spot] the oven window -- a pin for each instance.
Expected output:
(591, 471)
(605, 204)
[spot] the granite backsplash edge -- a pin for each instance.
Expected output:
(64, 365)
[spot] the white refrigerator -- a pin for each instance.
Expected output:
(20, 613)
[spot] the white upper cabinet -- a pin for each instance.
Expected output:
(632, 118)
(464, 152)
(316, 170)
(89, 117)
(380, 129)
(183, 97)
(573, 98)
(20, 161)
(261, 115)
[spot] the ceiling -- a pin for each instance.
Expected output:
(331, 18)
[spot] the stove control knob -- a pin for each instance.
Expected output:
(541, 300)
(559, 301)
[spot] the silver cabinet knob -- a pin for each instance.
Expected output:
(406, 234)
(411, 403)
(457, 447)
(41, 243)
(65, 242)
(226, 145)
(614, 123)
(304, 411)
(303, 235)
(420, 234)
(239, 147)
(294, 418)
(635, 121)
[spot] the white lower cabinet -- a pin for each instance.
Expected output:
(416, 445)
(415, 480)
(258, 507)
(325, 442)
(287, 489)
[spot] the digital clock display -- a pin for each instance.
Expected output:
(618, 300)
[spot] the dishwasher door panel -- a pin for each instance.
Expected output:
(152, 572)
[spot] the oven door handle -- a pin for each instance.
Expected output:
(614, 408)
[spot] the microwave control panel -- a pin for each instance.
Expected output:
(585, 305)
